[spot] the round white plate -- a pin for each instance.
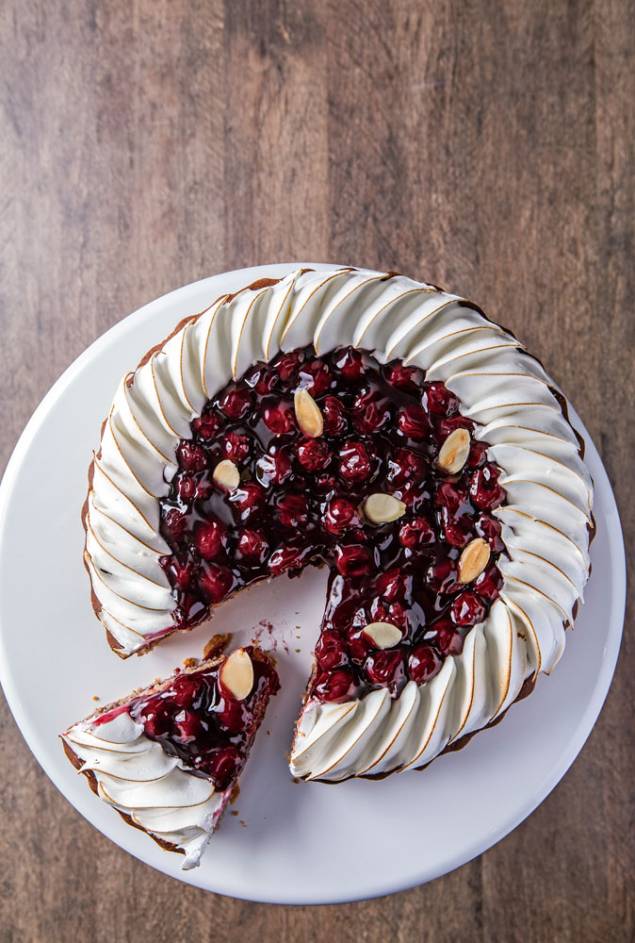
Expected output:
(300, 843)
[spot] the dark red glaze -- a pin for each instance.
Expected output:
(195, 719)
(300, 503)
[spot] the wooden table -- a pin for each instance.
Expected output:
(484, 146)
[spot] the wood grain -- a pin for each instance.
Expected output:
(486, 146)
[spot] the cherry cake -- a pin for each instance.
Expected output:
(382, 429)
(169, 757)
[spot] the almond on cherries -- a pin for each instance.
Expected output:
(308, 414)
(383, 508)
(454, 452)
(383, 634)
(237, 674)
(473, 560)
(226, 475)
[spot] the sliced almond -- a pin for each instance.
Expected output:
(454, 452)
(381, 508)
(473, 559)
(226, 475)
(308, 414)
(383, 634)
(237, 674)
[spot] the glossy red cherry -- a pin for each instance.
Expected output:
(391, 584)
(478, 454)
(467, 609)
(334, 685)
(370, 414)
(402, 377)
(457, 529)
(191, 457)
(490, 529)
(215, 581)
(292, 509)
(279, 418)
(404, 465)
(350, 364)
(438, 400)
(385, 667)
(236, 446)
(329, 651)
(489, 584)
(450, 497)
(354, 462)
(156, 721)
(248, 498)
(206, 427)
(358, 644)
(186, 688)
(352, 560)
(448, 638)
(209, 537)
(341, 515)
(175, 525)
(222, 766)
(230, 715)
(262, 379)
(315, 377)
(274, 468)
(334, 415)
(313, 454)
(284, 558)
(443, 576)
(237, 403)
(417, 532)
(485, 491)
(186, 487)
(180, 573)
(423, 664)
(288, 365)
(187, 726)
(252, 545)
(412, 421)
(266, 383)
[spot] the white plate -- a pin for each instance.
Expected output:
(302, 843)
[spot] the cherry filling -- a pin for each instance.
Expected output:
(299, 497)
(197, 719)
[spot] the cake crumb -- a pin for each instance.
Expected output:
(243, 824)
(234, 812)
(95, 697)
(259, 630)
(216, 645)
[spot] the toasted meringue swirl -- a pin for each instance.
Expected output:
(546, 520)
(138, 778)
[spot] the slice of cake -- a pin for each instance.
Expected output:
(168, 757)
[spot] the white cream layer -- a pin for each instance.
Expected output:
(136, 777)
(500, 386)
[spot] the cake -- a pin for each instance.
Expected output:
(168, 758)
(387, 431)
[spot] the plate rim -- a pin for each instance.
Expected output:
(552, 777)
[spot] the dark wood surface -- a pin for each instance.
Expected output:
(485, 146)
